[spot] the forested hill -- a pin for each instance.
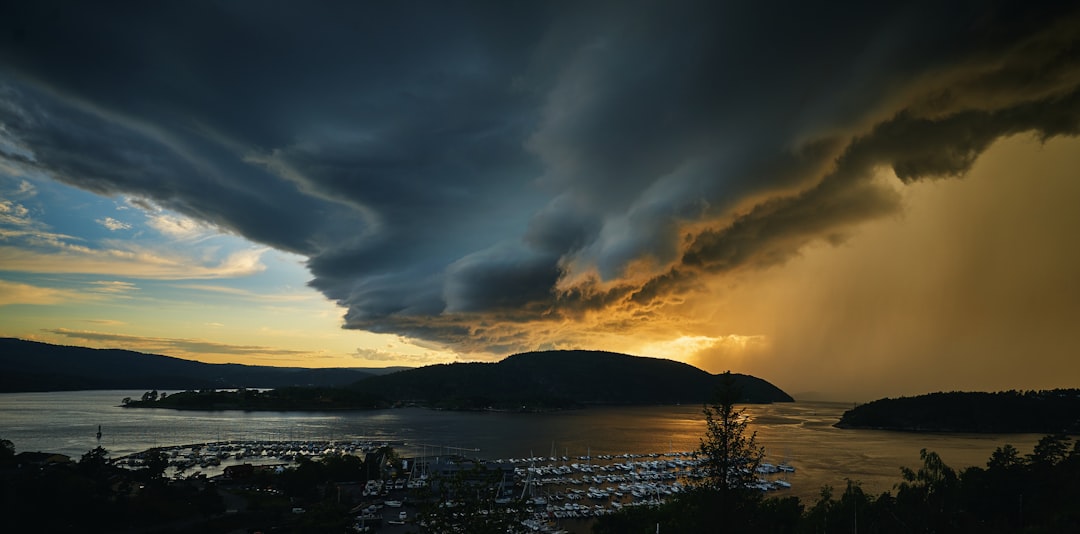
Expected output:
(33, 366)
(562, 379)
(1045, 412)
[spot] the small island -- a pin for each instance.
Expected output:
(281, 399)
(1052, 411)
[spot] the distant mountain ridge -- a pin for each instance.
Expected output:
(562, 379)
(528, 381)
(34, 366)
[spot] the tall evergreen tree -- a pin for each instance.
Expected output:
(730, 455)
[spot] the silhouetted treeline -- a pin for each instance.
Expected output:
(281, 399)
(1038, 412)
(45, 492)
(1032, 493)
(41, 492)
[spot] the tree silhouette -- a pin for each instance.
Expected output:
(929, 497)
(156, 462)
(730, 456)
(7, 453)
(94, 460)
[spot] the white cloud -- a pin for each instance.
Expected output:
(176, 226)
(265, 296)
(244, 262)
(134, 262)
(139, 203)
(105, 322)
(16, 293)
(173, 346)
(32, 247)
(113, 286)
(378, 355)
(14, 214)
(26, 189)
(113, 224)
(16, 224)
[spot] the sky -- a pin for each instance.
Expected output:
(851, 201)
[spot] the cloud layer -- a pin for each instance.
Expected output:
(527, 176)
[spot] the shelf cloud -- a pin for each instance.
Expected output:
(528, 175)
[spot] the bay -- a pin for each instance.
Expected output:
(800, 433)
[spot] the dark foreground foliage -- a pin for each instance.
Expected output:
(1034, 493)
(39, 494)
(45, 492)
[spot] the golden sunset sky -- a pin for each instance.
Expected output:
(850, 202)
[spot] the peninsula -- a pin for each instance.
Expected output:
(531, 382)
(1052, 411)
(560, 379)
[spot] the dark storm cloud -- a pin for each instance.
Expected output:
(111, 157)
(459, 174)
(499, 277)
(914, 148)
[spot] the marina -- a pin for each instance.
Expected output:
(552, 489)
(213, 457)
(611, 478)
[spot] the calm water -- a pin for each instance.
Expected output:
(800, 433)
